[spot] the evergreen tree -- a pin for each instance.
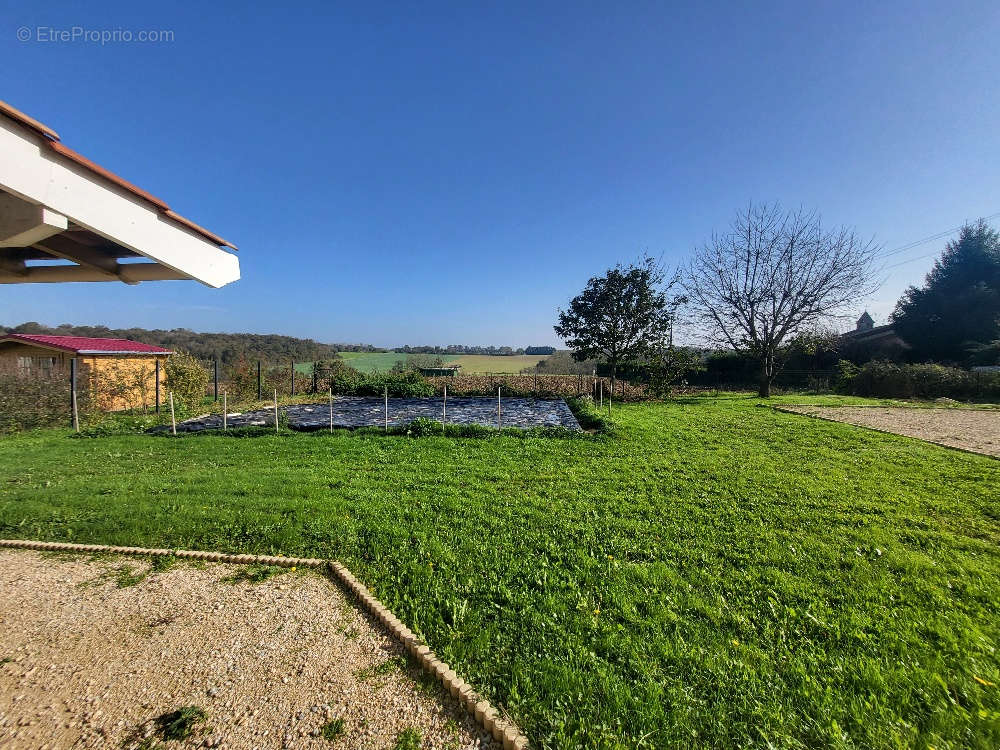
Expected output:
(957, 312)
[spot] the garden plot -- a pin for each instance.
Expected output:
(968, 429)
(360, 411)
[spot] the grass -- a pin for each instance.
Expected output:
(408, 739)
(714, 575)
(383, 668)
(333, 730)
(180, 724)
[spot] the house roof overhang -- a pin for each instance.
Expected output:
(65, 218)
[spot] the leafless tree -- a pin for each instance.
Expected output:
(773, 275)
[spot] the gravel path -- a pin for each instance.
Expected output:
(86, 663)
(364, 411)
(971, 429)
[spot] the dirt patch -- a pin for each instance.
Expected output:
(111, 652)
(969, 429)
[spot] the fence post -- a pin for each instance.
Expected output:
(387, 408)
(215, 378)
(225, 411)
(331, 409)
(74, 415)
(157, 385)
(293, 377)
(173, 419)
(498, 407)
(444, 406)
(275, 411)
(260, 392)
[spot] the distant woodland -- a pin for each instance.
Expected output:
(228, 347)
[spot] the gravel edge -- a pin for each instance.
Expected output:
(485, 714)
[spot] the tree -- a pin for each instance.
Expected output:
(668, 366)
(621, 316)
(773, 275)
(956, 315)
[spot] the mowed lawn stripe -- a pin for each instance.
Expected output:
(717, 575)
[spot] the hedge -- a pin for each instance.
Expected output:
(881, 379)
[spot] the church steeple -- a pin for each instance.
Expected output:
(865, 322)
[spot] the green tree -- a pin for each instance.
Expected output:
(622, 316)
(957, 312)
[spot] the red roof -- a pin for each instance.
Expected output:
(85, 345)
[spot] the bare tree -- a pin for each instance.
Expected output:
(773, 275)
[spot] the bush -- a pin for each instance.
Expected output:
(29, 402)
(883, 379)
(186, 379)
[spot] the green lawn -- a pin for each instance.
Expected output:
(717, 575)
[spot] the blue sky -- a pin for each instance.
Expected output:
(452, 173)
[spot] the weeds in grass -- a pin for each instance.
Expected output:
(255, 573)
(180, 724)
(408, 739)
(333, 729)
(395, 664)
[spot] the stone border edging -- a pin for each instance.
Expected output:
(485, 714)
(785, 408)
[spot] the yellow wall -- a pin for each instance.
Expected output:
(123, 382)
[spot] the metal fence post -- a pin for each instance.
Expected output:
(260, 392)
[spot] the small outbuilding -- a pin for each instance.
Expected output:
(121, 374)
(443, 371)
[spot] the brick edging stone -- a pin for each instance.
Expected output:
(485, 714)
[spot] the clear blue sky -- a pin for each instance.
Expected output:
(452, 173)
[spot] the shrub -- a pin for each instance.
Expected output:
(29, 402)
(883, 379)
(241, 381)
(186, 379)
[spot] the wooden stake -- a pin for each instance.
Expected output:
(225, 411)
(275, 411)
(74, 413)
(331, 410)
(387, 408)
(173, 419)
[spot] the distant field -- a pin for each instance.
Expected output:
(471, 363)
(477, 363)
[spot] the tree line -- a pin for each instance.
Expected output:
(769, 288)
(227, 347)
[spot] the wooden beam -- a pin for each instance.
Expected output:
(88, 257)
(130, 273)
(23, 223)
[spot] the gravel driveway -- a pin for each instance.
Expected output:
(971, 429)
(92, 653)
